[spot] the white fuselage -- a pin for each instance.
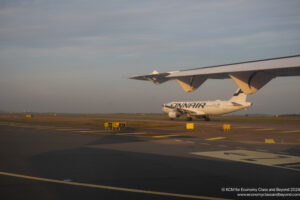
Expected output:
(202, 108)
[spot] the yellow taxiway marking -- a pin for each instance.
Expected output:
(59, 129)
(291, 131)
(91, 131)
(108, 187)
(44, 127)
(264, 129)
(23, 126)
(5, 125)
(66, 128)
(164, 136)
(216, 138)
(131, 133)
(269, 141)
(18, 125)
(207, 124)
(243, 127)
(204, 143)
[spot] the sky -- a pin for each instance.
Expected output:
(75, 56)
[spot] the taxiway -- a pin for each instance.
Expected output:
(72, 162)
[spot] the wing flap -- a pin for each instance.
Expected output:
(250, 82)
(190, 83)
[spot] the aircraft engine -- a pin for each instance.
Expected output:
(174, 114)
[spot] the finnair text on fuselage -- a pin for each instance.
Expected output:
(188, 105)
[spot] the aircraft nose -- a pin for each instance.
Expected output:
(164, 109)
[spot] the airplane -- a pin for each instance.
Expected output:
(250, 76)
(203, 109)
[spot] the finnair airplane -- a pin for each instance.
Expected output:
(249, 76)
(203, 109)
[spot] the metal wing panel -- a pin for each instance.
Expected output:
(285, 72)
(280, 64)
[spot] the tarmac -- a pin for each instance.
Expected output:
(39, 161)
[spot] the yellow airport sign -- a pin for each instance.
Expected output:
(269, 141)
(190, 126)
(226, 127)
(114, 125)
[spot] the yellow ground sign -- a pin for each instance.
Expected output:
(269, 141)
(190, 126)
(28, 116)
(114, 125)
(226, 127)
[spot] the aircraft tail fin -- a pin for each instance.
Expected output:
(239, 96)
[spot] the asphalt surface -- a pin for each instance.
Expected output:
(51, 162)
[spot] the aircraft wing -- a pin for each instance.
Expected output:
(155, 77)
(249, 76)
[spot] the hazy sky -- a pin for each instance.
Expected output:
(77, 55)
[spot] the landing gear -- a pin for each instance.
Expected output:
(189, 119)
(206, 118)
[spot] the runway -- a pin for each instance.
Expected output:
(41, 161)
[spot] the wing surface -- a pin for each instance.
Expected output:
(249, 76)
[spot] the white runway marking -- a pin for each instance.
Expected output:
(255, 157)
(221, 145)
(106, 187)
(291, 131)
